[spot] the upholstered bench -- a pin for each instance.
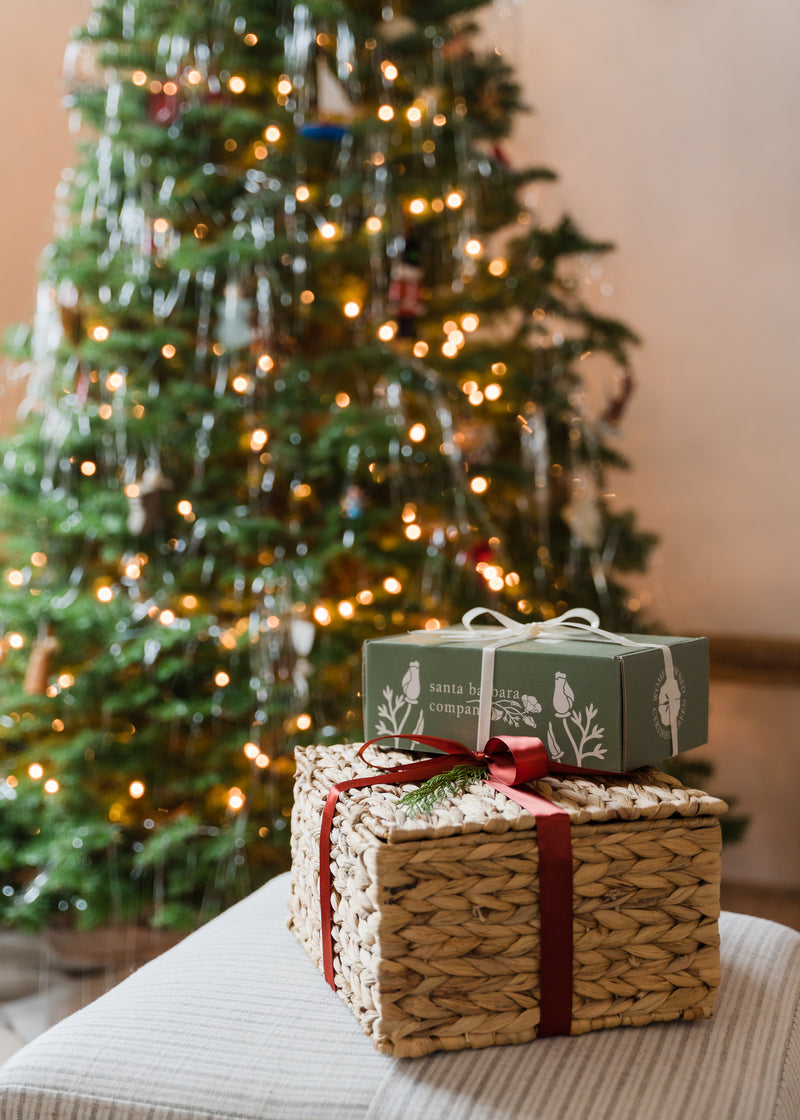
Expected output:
(235, 1023)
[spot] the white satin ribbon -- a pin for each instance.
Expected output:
(579, 623)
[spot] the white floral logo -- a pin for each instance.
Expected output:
(514, 712)
(669, 698)
(395, 712)
(584, 736)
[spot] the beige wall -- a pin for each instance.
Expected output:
(673, 127)
(35, 145)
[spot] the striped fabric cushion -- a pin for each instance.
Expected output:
(235, 1023)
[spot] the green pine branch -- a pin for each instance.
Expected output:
(441, 787)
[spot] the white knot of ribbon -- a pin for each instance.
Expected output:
(578, 623)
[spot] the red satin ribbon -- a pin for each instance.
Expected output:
(511, 761)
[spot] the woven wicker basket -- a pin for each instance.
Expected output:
(436, 919)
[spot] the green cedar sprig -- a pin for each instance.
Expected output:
(441, 786)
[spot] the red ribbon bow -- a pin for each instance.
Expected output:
(511, 761)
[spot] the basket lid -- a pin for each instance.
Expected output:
(645, 794)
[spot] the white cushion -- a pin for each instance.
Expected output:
(235, 1023)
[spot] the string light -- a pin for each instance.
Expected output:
(258, 439)
(235, 799)
(138, 77)
(100, 333)
(470, 322)
(105, 593)
(322, 615)
(413, 532)
(498, 267)
(416, 433)
(136, 790)
(251, 750)
(389, 71)
(166, 617)
(352, 309)
(194, 77)
(88, 468)
(342, 400)
(35, 771)
(479, 485)
(284, 86)
(15, 578)
(265, 363)
(262, 761)
(114, 381)
(386, 113)
(302, 193)
(417, 206)
(374, 224)
(272, 133)
(304, 722)
(237, 84)
(221, 679)
(16, 641)
(493, 392)
(51, 786)
(414, 114)
(420, 349)
(346, 609)
(474, 247)
(328, 231)
(241, 384)
(387, 331)
(66, 680)
(168, 350)
(392, 585)
(365, 597)
(454, 200)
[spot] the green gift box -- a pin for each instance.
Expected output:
(601, 701)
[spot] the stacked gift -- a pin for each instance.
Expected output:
(538, 900)
(599, 700)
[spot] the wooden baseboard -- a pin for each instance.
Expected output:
(755, 660)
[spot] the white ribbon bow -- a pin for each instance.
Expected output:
(578, 623)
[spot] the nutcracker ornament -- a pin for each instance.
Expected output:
(405, 291)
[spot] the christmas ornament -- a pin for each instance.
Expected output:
(352, 503)
(38, 670)
(582, 512)
(164, 108)
(618, 401)
(234, 318)
(145, 500)
(477, 441)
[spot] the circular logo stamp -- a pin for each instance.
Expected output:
(669, 697)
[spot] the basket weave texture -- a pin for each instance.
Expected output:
(436, 918)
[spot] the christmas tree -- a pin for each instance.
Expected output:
(305, 367)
